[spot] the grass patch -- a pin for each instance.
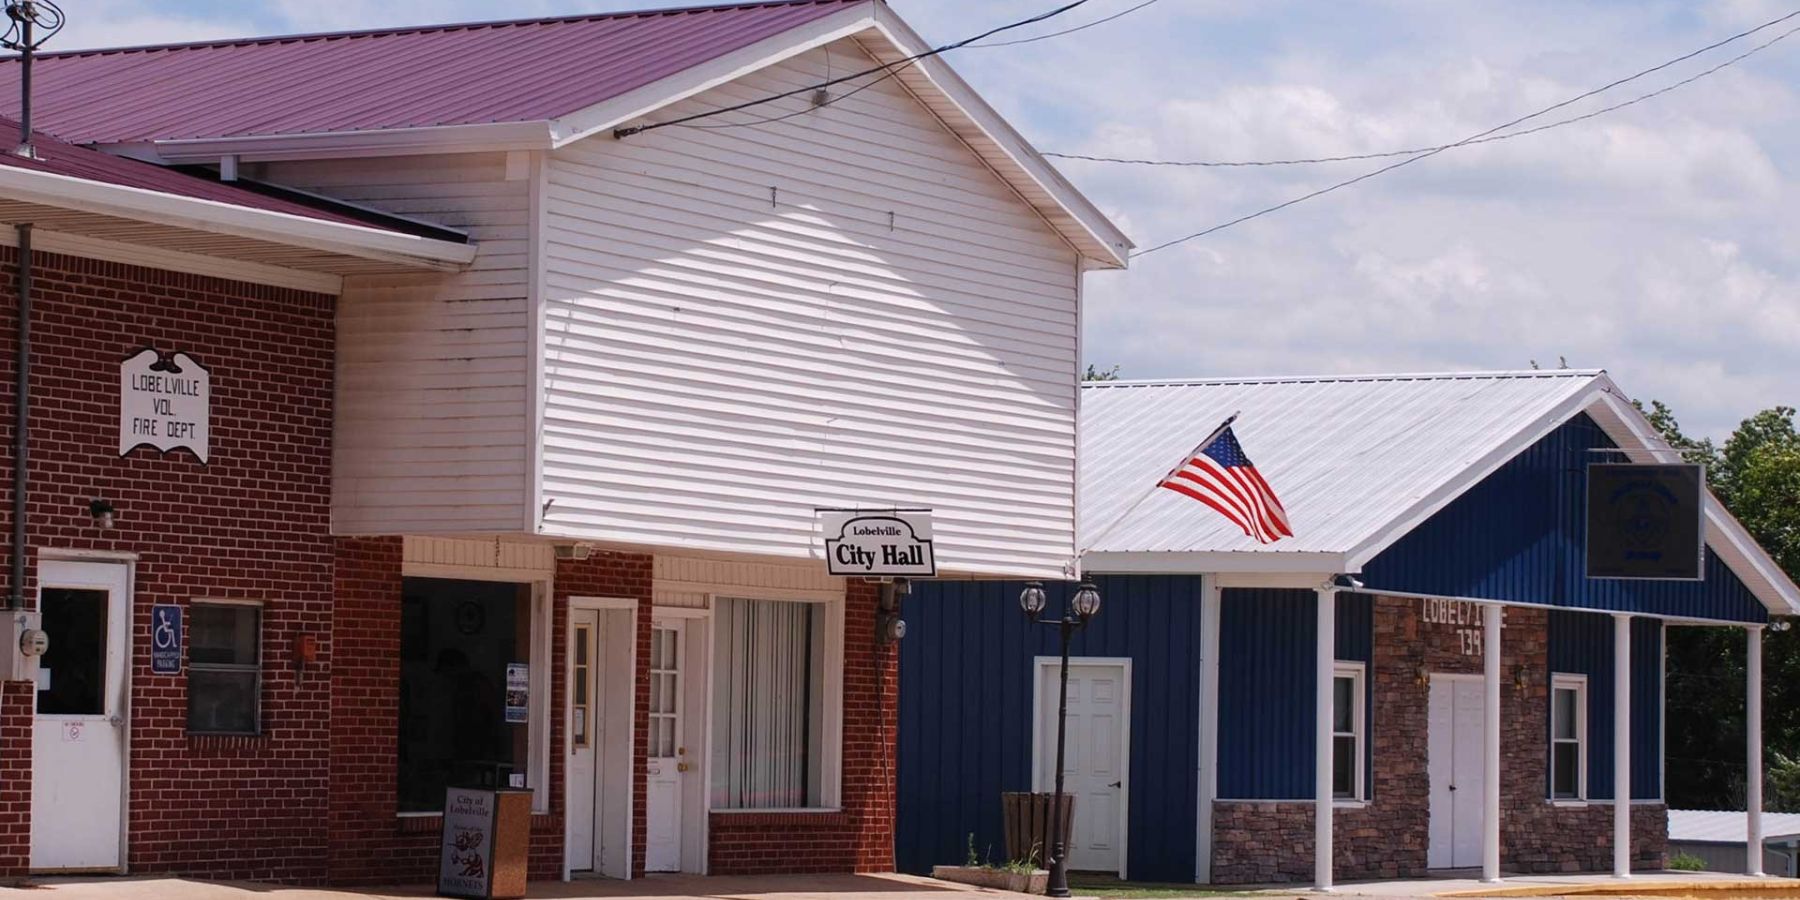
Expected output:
(1114, 889)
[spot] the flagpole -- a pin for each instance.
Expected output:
(1198, 449)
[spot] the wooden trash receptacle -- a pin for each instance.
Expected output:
(1027, 818)
(486, 843)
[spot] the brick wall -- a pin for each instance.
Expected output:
(16, 701)
(1257, 843)
(252, 525)
(860, 837)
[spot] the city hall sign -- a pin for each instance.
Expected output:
(165, 402)
(883, 544)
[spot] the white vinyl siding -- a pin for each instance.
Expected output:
(847, 308)
(432, 413)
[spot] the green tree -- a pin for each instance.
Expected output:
(1757, 476)
(1098, 374)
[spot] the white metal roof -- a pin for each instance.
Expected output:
(1728, 826)
(1358, 461)
(1346, 454)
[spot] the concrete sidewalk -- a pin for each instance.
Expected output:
(660, 887)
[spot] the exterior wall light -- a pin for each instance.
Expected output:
(1032, 599)
(103, 513)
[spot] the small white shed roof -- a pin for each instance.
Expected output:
(1358, 461)
(1728, 826)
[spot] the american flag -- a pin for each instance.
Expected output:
(1222, 477)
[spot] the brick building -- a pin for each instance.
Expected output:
(1426, 665)
(472, 428)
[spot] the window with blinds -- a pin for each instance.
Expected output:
(768, 704)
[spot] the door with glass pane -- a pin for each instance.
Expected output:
(668, 755)
(585, 717)
(78, 737)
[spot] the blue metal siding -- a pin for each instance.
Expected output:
(965, 714)
(1266, 699)
(1582, 644)
(1520, 535)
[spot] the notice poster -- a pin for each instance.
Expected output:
(518, 693)
(466, 862)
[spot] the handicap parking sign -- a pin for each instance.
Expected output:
(165, 639)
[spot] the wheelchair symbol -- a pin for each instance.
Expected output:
(165, 636)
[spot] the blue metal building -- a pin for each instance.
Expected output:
(1470, 673)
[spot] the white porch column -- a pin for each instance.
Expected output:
(1753, 773)
(1490, 757)
(1322, 795)
(1621, 746)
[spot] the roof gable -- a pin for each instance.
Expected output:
(1530, 516)
(477, 73)
(518, 85)
(1348, 455)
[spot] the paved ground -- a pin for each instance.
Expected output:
(662, 887)
(887, 887)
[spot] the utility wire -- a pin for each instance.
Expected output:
(899, 67)
(1054, 34)
(1417, 150)
(1465, 141)
(1040, 17)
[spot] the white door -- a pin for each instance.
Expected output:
(585, 716)
(1454, 768)
(668, 753)
(78, 739)
(1094, 760)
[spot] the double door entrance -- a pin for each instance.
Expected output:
(1454, 769)
(78, 746)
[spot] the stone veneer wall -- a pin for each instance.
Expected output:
(1272, 842)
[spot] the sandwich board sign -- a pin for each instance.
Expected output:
(878, 544)
(165, 402)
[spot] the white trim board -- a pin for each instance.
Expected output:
(156, 207)
(176, 261)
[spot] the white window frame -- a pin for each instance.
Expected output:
(1357, 672)
(831, 744)
(1578, 684)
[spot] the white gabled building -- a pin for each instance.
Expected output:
(599, 448)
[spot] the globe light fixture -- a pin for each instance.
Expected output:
(1032, 599)
(1086, 600)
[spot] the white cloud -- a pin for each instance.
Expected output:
(1654, 241)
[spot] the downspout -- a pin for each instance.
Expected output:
(21, 407)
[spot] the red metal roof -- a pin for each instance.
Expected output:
(59, 158)
(519, 71)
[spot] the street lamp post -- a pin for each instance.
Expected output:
(1082, 606)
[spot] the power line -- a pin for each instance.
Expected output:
(1054, 34)
(1040, 17)
(900, 67)
(1468, 140)
(1417, 150)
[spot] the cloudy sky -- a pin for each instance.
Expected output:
(1659, 242)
